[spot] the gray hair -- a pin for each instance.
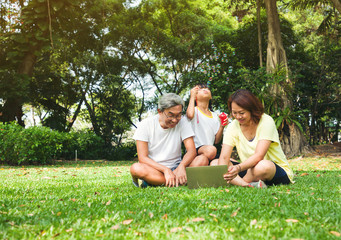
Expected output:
(169, 100)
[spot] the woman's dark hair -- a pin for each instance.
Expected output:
(247, 100)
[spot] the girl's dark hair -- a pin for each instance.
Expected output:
(201, 85)
(204, 85)
(247, 100)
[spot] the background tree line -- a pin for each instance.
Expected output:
(107, 61)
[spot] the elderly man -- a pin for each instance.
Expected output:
(158, 142)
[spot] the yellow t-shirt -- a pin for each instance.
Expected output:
(266, 130)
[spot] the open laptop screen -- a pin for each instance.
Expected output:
(206, 176)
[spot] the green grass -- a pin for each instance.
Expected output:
(96, 200)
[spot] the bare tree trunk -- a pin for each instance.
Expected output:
(33, 116)
(292, 139)
(93, 118)
(75, 115)
(260, 50)
(12, 111)
(337, 5)
(142, 105)
(13, 106)
(276, 56)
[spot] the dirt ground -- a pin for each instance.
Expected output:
(326, 150)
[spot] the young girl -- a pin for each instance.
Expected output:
(207, 126)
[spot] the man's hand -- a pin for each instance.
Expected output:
(231, 173)
(171, 179)
(180, 173)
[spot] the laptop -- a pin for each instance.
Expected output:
(206, 176)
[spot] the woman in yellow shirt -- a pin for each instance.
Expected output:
(255, 137)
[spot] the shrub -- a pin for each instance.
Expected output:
(9, 134)
(40, 145)
(87, 144)
(126, 151)
(35, 145)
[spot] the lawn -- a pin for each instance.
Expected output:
(96, 200)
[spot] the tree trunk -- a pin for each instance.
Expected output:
(292, 139)
(337, 5)
(276, 56)
(33, 116)
(93, 118)
(75, 115)
(260, 50)
(12, 110)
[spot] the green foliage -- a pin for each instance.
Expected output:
(87, 144)
(109, 106)
(285, 116)
(125, 151)
(257, 81)
(36, 145)
(261, 83)
(41, 145)
(98, 53)
(24, 46)
(317, 89)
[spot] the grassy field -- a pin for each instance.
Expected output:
(96, 200)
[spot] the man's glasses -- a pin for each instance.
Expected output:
(172, 117)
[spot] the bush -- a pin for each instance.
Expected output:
(9, 134)
(41, 145)
(87, 144)
(36, 145)
(126, 151)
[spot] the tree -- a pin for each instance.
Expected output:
(30, 37)
(260, 51)
(293, 140)
(316, 74)
(304, 4)
(110, 108)
(59, 83)
(276, 56)
(170, 39)
(63, 68)
(337, 5)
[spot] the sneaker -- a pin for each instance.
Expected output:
(259, 184)
(140, 183)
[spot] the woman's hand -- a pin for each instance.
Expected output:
(232, 172)
(171, 179)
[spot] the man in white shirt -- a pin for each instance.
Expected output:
(158, 142)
